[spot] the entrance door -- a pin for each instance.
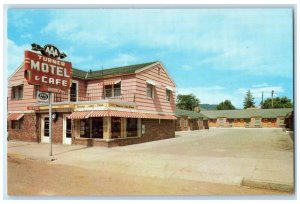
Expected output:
(45, 129)
(67, 130)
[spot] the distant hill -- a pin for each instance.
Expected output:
(208, 106)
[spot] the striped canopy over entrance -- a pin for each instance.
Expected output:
(15, 116)
(122, 114)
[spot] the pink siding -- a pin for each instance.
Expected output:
(133, 88)
(159, 103)
(127, 85)
(28, 91)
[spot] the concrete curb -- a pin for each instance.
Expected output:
(268, 185)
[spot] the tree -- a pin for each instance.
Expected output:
(187, 102)
(278, 102)
(249, 100)
(226, 105)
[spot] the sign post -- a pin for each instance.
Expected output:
(50, 73)
(50, 124)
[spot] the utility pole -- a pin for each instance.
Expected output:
(272, 97)
(262, 98)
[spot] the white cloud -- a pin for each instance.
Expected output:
(217, 94)
(257, 91)
(187, 67)
(260, 85)
(15, 55)
(231, 40)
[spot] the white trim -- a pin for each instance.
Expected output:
(43, 138)
(14, 84)
(169, 88)
(15, 71)
(157, 63)
(118, 81)
(149, 81)
(65, 140)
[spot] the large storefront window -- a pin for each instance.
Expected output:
(91, 128)
(131, 127)
(115, 127)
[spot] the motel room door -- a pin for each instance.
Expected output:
(67, 130)
(45, 129)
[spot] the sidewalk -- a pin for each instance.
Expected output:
(264, 161)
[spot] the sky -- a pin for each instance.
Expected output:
(215, 54)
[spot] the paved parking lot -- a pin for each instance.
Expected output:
(251, 157)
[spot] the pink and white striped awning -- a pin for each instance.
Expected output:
(116, 113)
(79, 115)
(15, 116)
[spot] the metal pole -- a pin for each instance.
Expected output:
(50, 124)
(272, 98)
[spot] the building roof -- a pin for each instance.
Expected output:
(130, 69)
(190, 114)
(247, 113)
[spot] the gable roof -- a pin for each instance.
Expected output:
(247, 113)
(98, 74)
(189, 114)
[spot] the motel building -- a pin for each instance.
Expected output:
(109, 107)
(249, 118)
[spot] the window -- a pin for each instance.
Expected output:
(73, 92)
(168, 95)
(117, 89)
(17, 124)
(91, 128)
(35, 91)
(178, 122)
(17, 92)
(131, 127)
(185, 122)
(108, 91)
(113, 90)
(115, 127)
(150, 90)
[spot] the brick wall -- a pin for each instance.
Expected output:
(29, 130)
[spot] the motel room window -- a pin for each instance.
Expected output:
(17, 92)
(168, 95)
(17, 124)
(185, 122)
(281, 121)
(178, 123)
(150, 90)
(131, 127)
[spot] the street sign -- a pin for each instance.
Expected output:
(43, 97)
(46, 71)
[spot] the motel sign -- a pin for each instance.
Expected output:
(45, 70)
